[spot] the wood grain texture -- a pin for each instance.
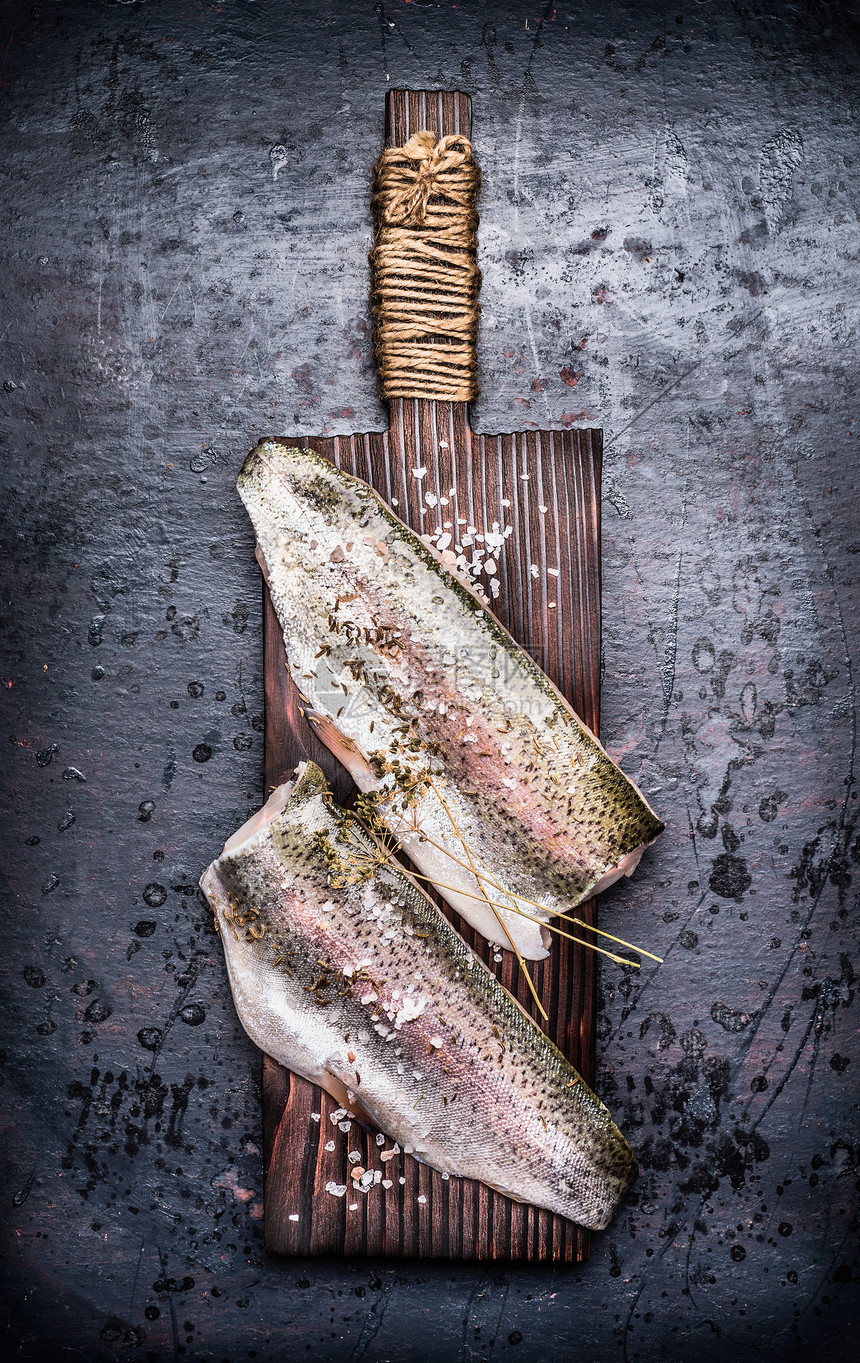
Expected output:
(546, 487)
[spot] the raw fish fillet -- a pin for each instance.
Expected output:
(343, 970)
(498, 792)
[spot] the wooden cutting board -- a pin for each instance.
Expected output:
(546, 486)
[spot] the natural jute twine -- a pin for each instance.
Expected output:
(425, 275)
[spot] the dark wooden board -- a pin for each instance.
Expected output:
(546, 486)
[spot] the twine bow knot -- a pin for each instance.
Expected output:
(423, 165)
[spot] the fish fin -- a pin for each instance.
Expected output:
(624, 867)
(344, 1097)
(343, 748)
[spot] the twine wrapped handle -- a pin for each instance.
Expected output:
(425, 275)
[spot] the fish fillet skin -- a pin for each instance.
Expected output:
(367, 990)
(498, 792)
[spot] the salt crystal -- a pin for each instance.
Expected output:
(387, 1183)
(553, 572)
(394, 501)
(505, 502)
(431, 499)
(380, 1139)
(336, 1189)
(509, 782)
(452, 492)
(446, 1176)
(344, 1126)
(419, 472)
(443, 501)
(524, 477)
(444, 540)
(535, 570)
(377, 1175)
(315, 1116)
(353, 1206)
(329, 1145)
(550, 605)
(354, 1156)
(294, 1216)
(400, 1180)
(443, 444)
(543, 510)
(490, 566)
(422, 1198)
(495, 586)
(337, 1114)
(436, 1042)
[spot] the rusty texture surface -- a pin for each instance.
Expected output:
(669, 243)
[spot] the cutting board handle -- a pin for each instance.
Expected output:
(443, 112)
(424, 273)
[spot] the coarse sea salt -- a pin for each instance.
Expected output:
(336, 1189)
(419, 472)
(294, 1216)
(422, 1198)
(315, 1116)
(329, 1145)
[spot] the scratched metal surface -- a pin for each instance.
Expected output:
(668, 235)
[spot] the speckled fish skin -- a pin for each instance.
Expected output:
(404, 1025)
(397, 657)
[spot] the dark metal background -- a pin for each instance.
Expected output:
(669, 230)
